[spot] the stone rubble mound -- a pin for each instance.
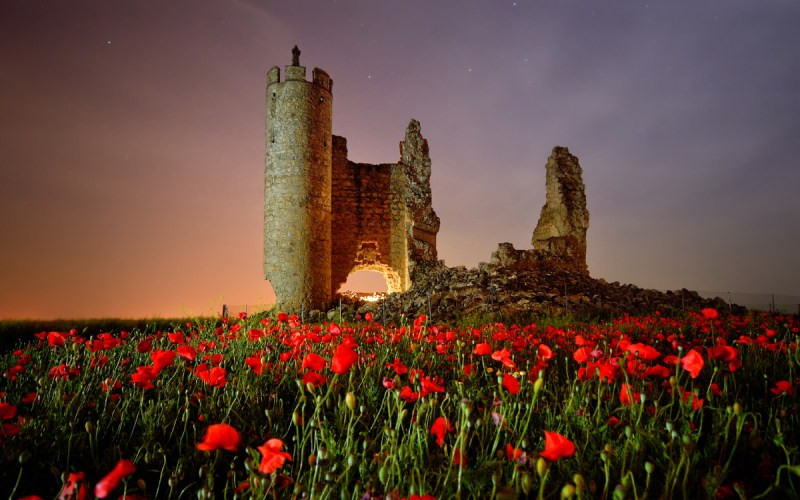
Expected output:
(519, 285)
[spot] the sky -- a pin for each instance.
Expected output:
(132, 137)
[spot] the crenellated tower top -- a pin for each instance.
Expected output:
(297, 73)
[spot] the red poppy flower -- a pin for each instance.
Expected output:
(272, 458)
(582, 354)
(657, 371)
(439, 428)
(56, 339)
(628, 396)
(314, 362)
(398, 366)
(214, 377)
(504, 357)
(75, 487)
(144, 377)
(430, 385)
(388, 382)
(482, 349)
(368, 317)
(782, 387)
(545, 352)
(726, 353)
(709, 313)
(697, 403)
(162, 359)
(644, 352)
(556, 446)
(458, 459)
(343, 359)
(255, 363)
(692, 363)
(176, 338)
(283, 317)
(407, 395)
(7, 411)
(314, 378)
(186, 352)
(512, 454)
(111, 480)
(510, 383)
(144, 346)
(220, 437)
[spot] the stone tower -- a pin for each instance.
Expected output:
(297, 186)
(380, 216)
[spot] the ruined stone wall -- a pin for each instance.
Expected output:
(297, 187)
(422, 223)
(365, 214)
(561, 231)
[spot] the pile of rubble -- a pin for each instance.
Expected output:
(518, 285)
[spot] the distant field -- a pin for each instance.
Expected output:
(13, 331)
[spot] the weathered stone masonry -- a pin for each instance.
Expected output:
(326, 216)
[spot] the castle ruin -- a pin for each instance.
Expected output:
(326, 216)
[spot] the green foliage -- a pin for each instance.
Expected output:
(352, 435)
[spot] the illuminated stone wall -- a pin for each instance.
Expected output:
(326, 216)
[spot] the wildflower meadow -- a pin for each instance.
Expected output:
(693, 405)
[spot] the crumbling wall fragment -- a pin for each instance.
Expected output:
(561, 232)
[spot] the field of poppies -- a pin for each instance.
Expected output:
(699, 405)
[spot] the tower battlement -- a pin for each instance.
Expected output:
(381, 215)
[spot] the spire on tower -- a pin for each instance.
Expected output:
(295, 56)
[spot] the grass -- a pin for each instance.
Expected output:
(641, 424)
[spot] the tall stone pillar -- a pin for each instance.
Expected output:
(297, 187)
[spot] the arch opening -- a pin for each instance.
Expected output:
(371, 283)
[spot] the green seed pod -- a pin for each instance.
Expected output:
(580, 484)
(527, 482)
(383, 474)
(541, 467)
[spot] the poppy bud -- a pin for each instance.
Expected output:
(541, 467)
(737, 408)
(568, 491)
(89, 427)
(350, 400)
(527, 482)
(537, 386)
(383, 474)
(141, 484)
(649, 467)
(580, 484)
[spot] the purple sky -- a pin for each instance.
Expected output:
(131, 137)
